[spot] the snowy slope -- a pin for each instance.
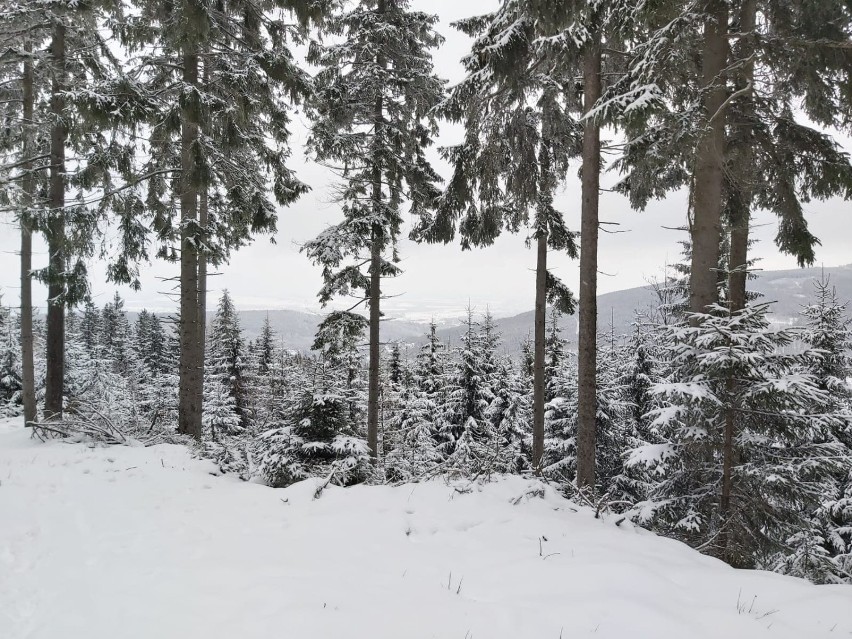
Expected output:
(125, 543)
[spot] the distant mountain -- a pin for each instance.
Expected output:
(296, 329)
(788, 289)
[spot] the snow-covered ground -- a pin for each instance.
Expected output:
(132, 542)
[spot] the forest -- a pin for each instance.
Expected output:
(143, 130)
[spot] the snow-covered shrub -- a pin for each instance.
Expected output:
(319, 442)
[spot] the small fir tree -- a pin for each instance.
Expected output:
(227, 363)
(317, 438)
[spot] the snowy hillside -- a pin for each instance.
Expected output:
(132, 542)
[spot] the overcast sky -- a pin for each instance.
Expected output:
(441, 280)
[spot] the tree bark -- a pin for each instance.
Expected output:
(738, 275)
(587, 338)
(538, 352)
(55, 355)
(375, 311)
(202, 300)
(740, 206)
(203, 216)
(740, 215)
(375, 318)
(189, 406)
(706, 225)
(375, 277)
(28, 192)
(203, 203)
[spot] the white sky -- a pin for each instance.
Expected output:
(440, 280)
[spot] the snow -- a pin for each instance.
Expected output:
(134, 542)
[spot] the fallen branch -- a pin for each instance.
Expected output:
(324, 485)
(97, 426)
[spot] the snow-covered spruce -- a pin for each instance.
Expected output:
(747, 438)
(822, 550)
(321, 433)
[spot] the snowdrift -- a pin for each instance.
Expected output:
(131, 542)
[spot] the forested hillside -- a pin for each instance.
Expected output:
(713, 407)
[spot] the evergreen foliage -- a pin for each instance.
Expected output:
(10, 374)
(822, 551)
(373, 118)
(804, 60)
(321, 434)
(773, 420)
(138, 128)
(225, 371)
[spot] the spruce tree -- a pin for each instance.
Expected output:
(265, 348)
(414, 451)
(518, 112)
(318, 437)
(644, 369)
(430, 366)
(416, 425)
(267, 376)
(221, 416)
(827, 333)
(373, 117)
(396, 371)
(10, 369)
(822, 550)
(612, 411)
(467, 431)
(696, 115)
(412, 397)
(573, 39)
(90, 326)
(394, 387)
(510, 416)
(560, 460)
(78, 105)
(114, 342)
(25, 145)
(150, 348)
(554, 353)
(230, 67)
(226, 367)
(740, 465)
(98, 393)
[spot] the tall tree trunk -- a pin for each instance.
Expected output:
(739, 207)
(203, 216)
(28, 190)
(54, 381)
(189, 406)
(587, 339)
(203, 204)
(375, 318)
(538, 350)
(738, 261)
(727, 471)
(375, 310)
(706, 225)
(375, 276)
